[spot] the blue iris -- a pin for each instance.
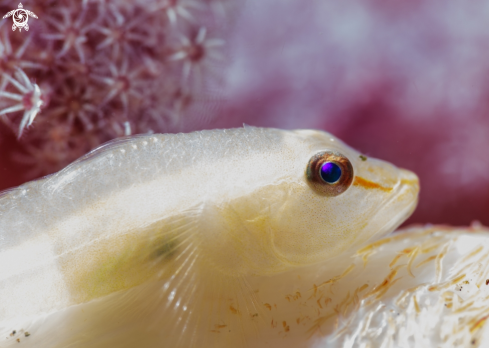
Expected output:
(330, 172)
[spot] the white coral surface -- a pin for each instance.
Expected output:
(424, 287)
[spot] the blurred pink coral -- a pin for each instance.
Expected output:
(405, 81)
(91, 71)
(29, 99)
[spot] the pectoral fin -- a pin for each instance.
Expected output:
(149, 288)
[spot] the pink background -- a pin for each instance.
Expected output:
(405, 81)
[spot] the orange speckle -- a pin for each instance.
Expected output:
(367, 184)
(318, 322)
(407, 251)
(329, 281)
(382, 288)
(394, 261)
(447, 295)
(286, 327)
(472, 254)
(268, 306)
(220, 326)
(336, 278)
(458, 279)
(431, 258)
(348, 270)
(429, 249)
(479, 323)
(294, 297)
(416, 305)
(412, 256)
(439, 259)
(374, 245)
(345, 301)
(447, 284)
(234, 310)
(365, 257)
(363, 287)
(465, 307)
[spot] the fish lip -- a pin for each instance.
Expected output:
(408, 178)
(407, 181)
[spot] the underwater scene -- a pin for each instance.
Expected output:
(228, 173)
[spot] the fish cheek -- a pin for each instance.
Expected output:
(235, 238)
(311, 228)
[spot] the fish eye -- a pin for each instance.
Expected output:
(329, 173)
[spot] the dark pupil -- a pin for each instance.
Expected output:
(330, 172)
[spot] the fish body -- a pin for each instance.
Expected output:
(152, 235)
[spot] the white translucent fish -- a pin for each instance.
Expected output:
(188, 240)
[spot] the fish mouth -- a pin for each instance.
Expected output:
(403, 201)
(396, 209)
(408, 187)
(407, 177)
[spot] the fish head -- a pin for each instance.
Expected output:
(308, 219)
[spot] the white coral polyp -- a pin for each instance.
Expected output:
(444, 303)
(30, 99)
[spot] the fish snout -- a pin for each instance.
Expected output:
(409, 181)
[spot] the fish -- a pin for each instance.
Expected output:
(190, 240)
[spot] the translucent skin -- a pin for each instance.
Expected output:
(152, 234)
